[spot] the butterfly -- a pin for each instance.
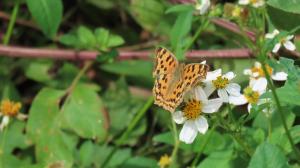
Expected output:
(174, 79)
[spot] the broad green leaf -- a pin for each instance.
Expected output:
(268, 156)
(140, 162)
(147, 13)
(141, 71)
(292, 6)
(86, 37)
(180, 8)
(14, 138)
(279, 19)
(218, 159)
(47, 14)
(215, 141)
(69, 40)
(280, 138)
(109, 56)
(39, 70)
(82, 113)
(86, 153)
(180, 30)
(105, 39)
(52, 145)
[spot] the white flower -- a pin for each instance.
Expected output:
(192, 114)
(272, 35)
(257, 72)
(254, 3)
(215, 80)
(9, 109)
(251, 94)
(285, 41)
(203, 6)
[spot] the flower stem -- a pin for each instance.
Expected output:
(176, 142)
(11, 24)
(282, 116)
(206, 140)
(2, 150)
(126, 133)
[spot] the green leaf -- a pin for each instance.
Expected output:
(47, 14)
(279, 19)
(268, 156)
(69, 40)
(287, 6)
(39, 70)
(86, 37)
(139, 162)
(214, 142)
(147, 13)
(107, 56)
(180, 30)
(52, 145)
(105, 39)
(82, 113)
(141, 71)
(180, 8)
(218, 159)
(86, 153)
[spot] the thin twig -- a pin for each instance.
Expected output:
(6, 17)
(24, 52)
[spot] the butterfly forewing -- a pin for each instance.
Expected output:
(193, 73)
(165, 62)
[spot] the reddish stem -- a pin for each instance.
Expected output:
(14, 51)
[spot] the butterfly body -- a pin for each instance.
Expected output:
(173, 79)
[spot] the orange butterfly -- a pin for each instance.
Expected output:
(173, 79)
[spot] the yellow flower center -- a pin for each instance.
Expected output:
(192, 109)
(10, 108)
(220, 82)
(164, 161)
(251, 96)
(260, 71)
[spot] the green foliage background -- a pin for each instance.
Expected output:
(93, 114)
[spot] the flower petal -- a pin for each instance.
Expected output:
(212, 75)
(249, 106)
(247, 72)
(289, 45)
(4, 123)
(223, 95)
(260, 85)
(257, 64)
(279, 76)
(229, 75)
(201, 124)
(244, 2)
(273, 34)
(203, 62)
(204, 6)
(188, 132)
(209, 88)
(238, 100)
(212, 105)
(276, 48)
(200, 94)
(289, 37)
(178, 117)
(233, 89)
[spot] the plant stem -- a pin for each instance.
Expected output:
(132, 124)
(79, 75)
(196, 35)
(197, 157)
(282, 116)
(135, 121)
(176, 142)
(2, 150)
(11, 24)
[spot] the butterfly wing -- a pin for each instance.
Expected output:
(192, 74)
(165, 62)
